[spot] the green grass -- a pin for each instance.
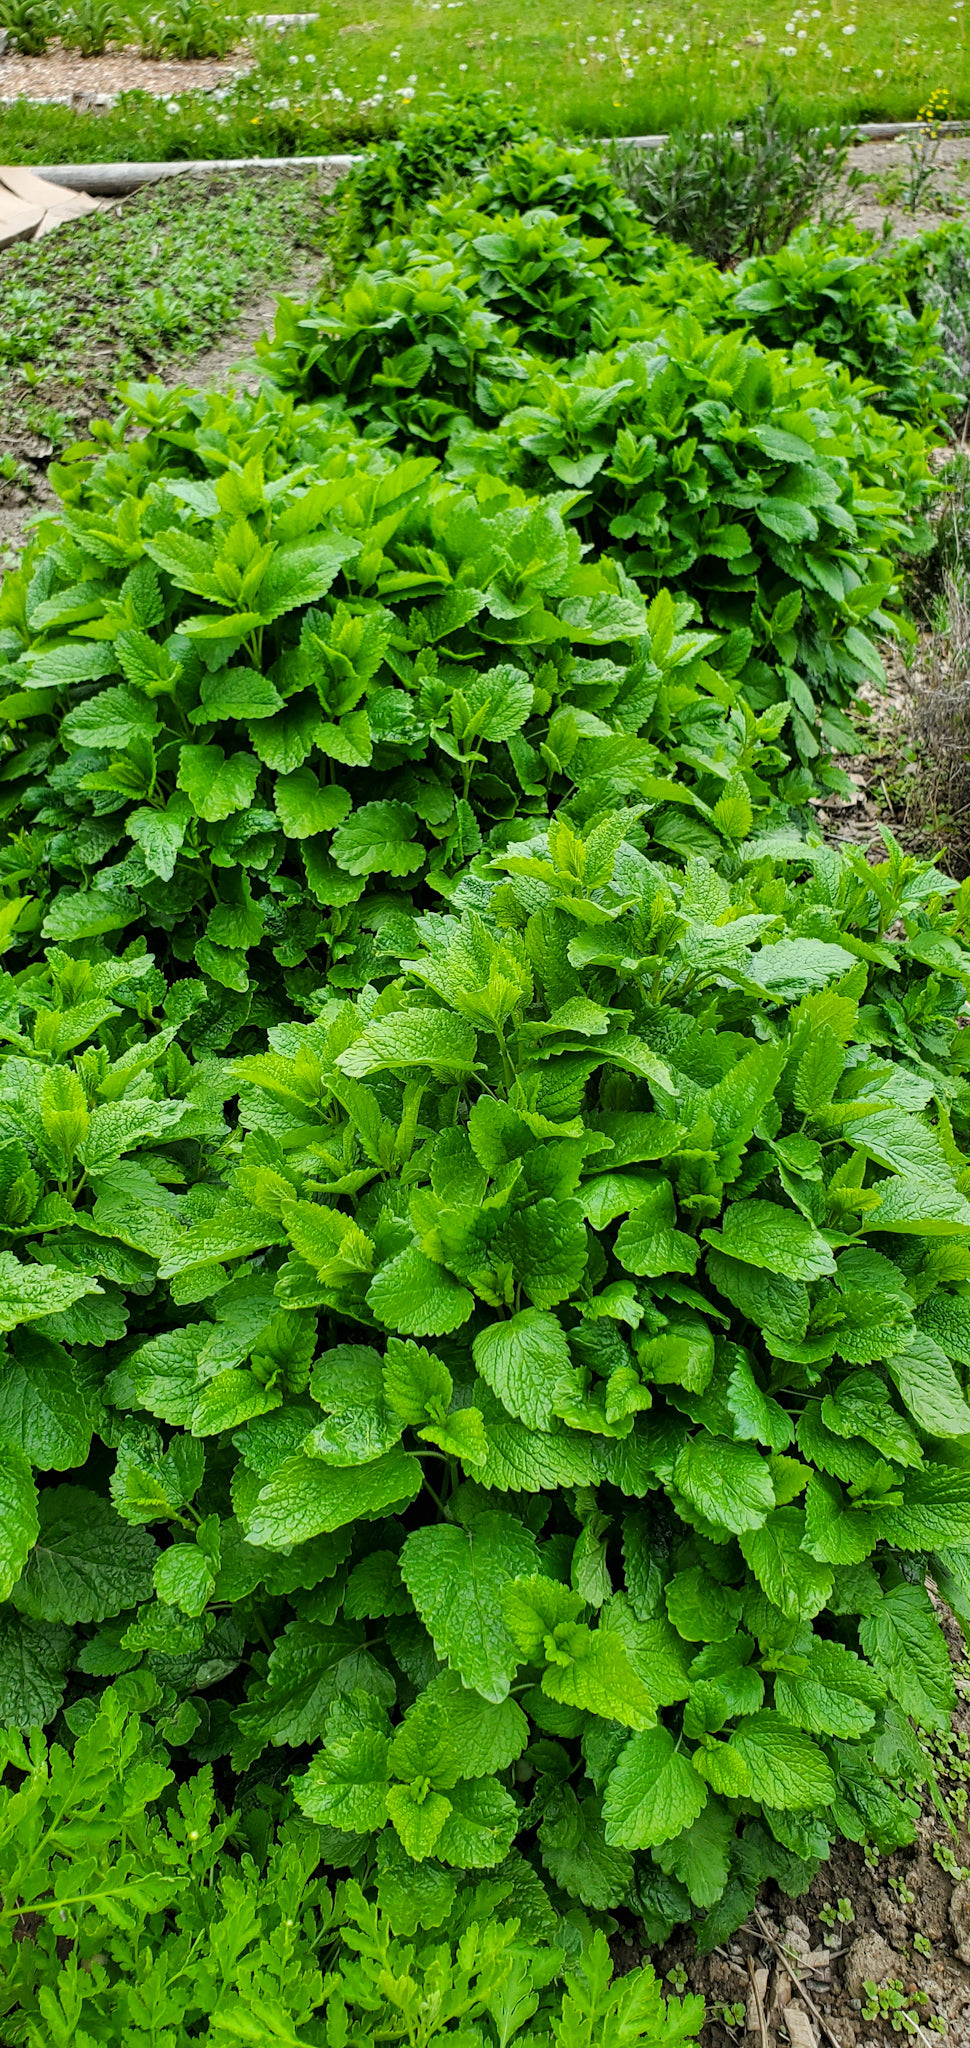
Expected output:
(124, 292)
(593, 68)
(620, 68)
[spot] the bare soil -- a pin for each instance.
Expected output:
(878, 170)
(66, 78)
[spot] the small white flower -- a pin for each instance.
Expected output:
(652, 50)
(463, 67)
(849, 28)
(877, 74)
(735, 63)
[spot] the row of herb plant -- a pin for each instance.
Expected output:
(484, 1186)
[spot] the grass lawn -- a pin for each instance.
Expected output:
(622, 68)
(597, 67)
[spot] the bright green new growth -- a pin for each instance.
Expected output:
(485, 1194)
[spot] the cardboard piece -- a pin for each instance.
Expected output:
(32, 206)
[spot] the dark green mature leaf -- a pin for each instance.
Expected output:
(84, 1566)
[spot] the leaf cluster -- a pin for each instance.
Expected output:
(761, 482)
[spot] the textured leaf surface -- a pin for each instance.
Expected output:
(455, 1577)
(653, 1792)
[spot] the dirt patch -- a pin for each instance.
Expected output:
(881, 174)
(69, 80)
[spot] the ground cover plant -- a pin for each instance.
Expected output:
(124, 292)
(484, 1186)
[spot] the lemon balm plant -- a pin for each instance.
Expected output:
(484, 1188)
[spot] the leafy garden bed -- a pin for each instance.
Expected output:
(485, 1185)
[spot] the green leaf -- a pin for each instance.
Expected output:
(378, 839)
(215, 786)
(86, 1564)
(905, 1646)
(236, 693)
(414, 1296)
(699, 1856)
(787, 518)
(592, 1670)
(577, 1855)
(19, 1524)
(702, 1611)
(923, 1375)
(304, 807)
(305, 1498)
(48, 1405)
(486, 1735)
(184, 1578)
(526, 1362)
(935, 1510)
(647, 1243)
(27, 1292)
(729, 1484)
(455, 1577)
(653, 1793)
(819, 1072)
(418, 1814)
(347, 1782)
(415, 1896)
(228, 1399)
(779, 1240)
(481, 1826)
(859, 1407)
(787, 1768)
(792, 1580)
(416, 1384)
(34, 1661)
(423, 1038)
(756, 1415)
(161, 833)
(837, 1695)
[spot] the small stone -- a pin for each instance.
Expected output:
(781, 1990)
(960, 1920)
(801, 2032)
(870, 1958)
